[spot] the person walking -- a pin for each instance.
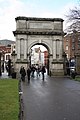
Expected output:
(3, 67)
(23, 73)
(38, 71)
(28, 74)
(33, 70)
(43, 71)
(9, 67)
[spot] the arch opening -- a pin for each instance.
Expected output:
(39, 56)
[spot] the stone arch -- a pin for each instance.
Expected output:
(44, 44)
(45, 31)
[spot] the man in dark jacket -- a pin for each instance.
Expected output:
(43, 71)
(23, 73)
(28, 74)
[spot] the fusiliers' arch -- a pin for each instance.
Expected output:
(45, 31)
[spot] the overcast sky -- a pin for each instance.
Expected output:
(10, 9)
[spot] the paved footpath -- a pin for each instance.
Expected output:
(53, 99)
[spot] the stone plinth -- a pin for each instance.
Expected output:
(57, 68)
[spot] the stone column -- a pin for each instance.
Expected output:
(60, 49)
(54, 49)
(57, 48)
(25, 49)
(18, 49)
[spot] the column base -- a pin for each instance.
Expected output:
(57, 72)
(57, 68)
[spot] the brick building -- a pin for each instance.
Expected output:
(5, 52)
(46, 58)
(5, 55)
(72, 44)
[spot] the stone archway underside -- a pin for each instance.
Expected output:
(46, 31)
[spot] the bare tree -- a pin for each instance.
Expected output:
(73, 19)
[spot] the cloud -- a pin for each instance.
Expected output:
(10, 9)
(65, 11)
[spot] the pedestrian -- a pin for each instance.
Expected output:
(3, 67)
(6, 68)
(23, 73)
(28, 74)
(33, 70)
(38, 70)
(9, 67)
(43, 71)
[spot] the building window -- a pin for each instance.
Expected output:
(73, 46)
(66, 47)
(78, 38)
(79, 45)
(7, 57)
(67, 40)
(79, 42)
(73, 40)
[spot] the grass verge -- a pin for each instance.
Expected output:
(9, 104)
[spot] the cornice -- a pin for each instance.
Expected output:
(38, 19)
(37, 33)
